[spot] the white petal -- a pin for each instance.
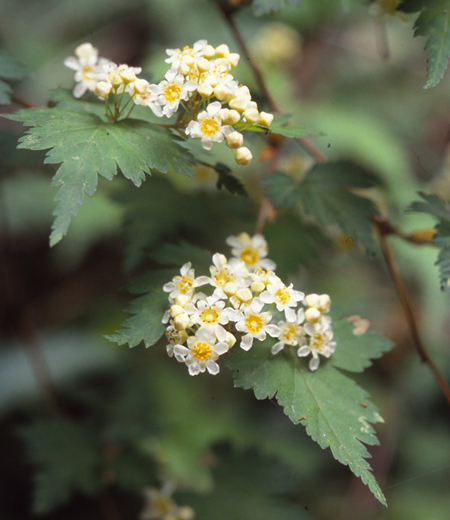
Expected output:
(213, 367)
(246, 342)
(278, 347)
(273, 330)
(314, 363)
(303, 351)
(290, 314)
(221, 348)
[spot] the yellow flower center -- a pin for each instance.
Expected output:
(253, 323)
(172, 92)
(249, 256)
(85, 71)
(161, 505)
(221, 278)
(289, 334)
(201, 351)
(209, 127)
(282, 296)
(184, 284)
(209, 316)
(317, 341)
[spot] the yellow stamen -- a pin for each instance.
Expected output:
(209, 127)
(201, 351)
(172, 92)
(249, 256)
(253, 323)
(209, 316)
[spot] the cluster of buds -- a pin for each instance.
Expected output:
(242, 292)
(210, 103)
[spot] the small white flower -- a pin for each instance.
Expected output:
(165, 97)
(222, 273)
(176, 56)
(290, 334)
(174, 337)
(202, 351)
(184, 284)
(255, 324)
(284, 297)
(85, 64)
(160, 506)
(210, 313)
(251, 250)
(320, 342)
(209, 127)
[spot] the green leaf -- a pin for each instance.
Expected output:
(147, 310)
(281, 125)
(336, 412)
(86, 146)
(10, 70)
(229, 181)
(433, 205)
(261, 7)
(434, 22)
(255, 491)
(66, 454)
(325, 193)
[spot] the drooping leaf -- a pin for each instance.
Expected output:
(434, 23)
(87, 146)
(11, 71)
(335, 411)
(261, 7)
(248, 485)
(326, 193)
(66, 455)
(433, 205)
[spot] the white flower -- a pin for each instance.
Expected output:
(209, 127)
(222, 273)
(85, 64)
(284, 297)
(165, 97)
(255, 324)
(184, 284)
(121, 77)
(174, 337)
(251, 250)
(202, 351)
(176, 56)
(319, 343)
(160, 506)
(210, 313)
(290, 334)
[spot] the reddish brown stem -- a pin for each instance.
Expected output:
(384, 228)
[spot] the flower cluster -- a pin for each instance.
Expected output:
(242, 292)
(211, 104)
(159, 505)
(107, 80)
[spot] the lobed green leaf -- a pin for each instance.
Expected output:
(433, 22)
(325, 193)
(335, 411)
(86, 146)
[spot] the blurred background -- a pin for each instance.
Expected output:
(92, 424)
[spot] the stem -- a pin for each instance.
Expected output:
(384, 228)
(227, 13)
(23, 102)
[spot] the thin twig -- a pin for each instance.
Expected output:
(23, 102)
(227, 13)
(384, 228)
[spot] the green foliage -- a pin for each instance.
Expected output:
(325, 193)
(440, 209)
(433, 22)
(10, 71)
(66, 454)
(229, 181)
(335, 411)
(281, 125)
(261, 7)
(249, 485)
(87, 146)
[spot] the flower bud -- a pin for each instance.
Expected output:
(127, 75)
(239, 103)
(184, 69)
(140, 86)
(203, 64)
(228, 116)
(251, 115)
(230, 289)
(182, 300)
(324, 302)
(208, 52)
(205, 90)
(233, 59)
(181, 322)
(176, 310)
(222, 51)
(244, 294)
(258, 286)
(243, 156)
(221, 92)
(312, 300)
(235, 140)
(102, 89)
(312, 315)
(230, 340)
(265, 119)
(188, 60)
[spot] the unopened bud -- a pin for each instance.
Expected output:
(176, 310)
(228, 116)
(258, 286)
(265, 119)
(181, 322)
(230, 340)
(239, 103)
(243, 156)
(182, 300)
(127, 75)
(233, 58)
(221, 92)
(203, 64)
(312, 315)
(251, 115)
(230, 289)
(222, 51)
(244, 294)
(235, 140)
(208, 52)
(205, 90)
(324, 302)
(102, 89)
(140, 86)
(312, 300)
